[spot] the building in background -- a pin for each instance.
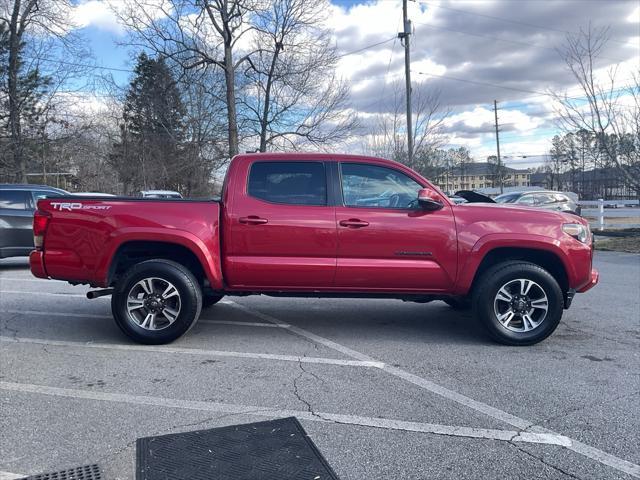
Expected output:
(475, 176)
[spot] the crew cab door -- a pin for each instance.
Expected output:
(279, 230)
(386, 242)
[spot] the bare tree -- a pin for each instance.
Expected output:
(38, 32)
(195, 34)
(608, 112)
(389, 139)
(291, 94)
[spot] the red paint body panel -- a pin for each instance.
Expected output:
(80, 244)
(306, 248)
(296, 248)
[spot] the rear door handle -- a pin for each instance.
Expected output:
(353, 223)
(253, 220)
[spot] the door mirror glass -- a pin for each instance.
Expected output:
(429, 200)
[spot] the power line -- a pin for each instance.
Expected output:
(367, 47)
(488, 84)
(74, 64)
(128, 70)
(516, 42)
(516, 22)
(475, 82)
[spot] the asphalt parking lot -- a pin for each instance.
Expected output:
(386, 389)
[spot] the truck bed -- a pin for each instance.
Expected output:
(85, 233)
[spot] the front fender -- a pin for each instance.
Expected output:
(490, 242)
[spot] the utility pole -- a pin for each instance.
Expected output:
(405, 37)
(495, 112)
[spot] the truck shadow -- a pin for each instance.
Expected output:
(370, 324)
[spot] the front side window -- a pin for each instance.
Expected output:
(293, 183)
(14, 199)
(380, 187)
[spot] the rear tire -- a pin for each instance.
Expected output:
(156, 302)
(519, 303)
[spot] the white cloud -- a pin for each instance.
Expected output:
(96, 13)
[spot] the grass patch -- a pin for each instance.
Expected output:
(630, 244)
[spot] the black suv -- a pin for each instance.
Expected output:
(17, 204)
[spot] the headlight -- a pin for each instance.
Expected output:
(577, 231)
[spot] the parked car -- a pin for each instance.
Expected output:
(542, 199)
(160, 194)
(17, 204)
(317, 225)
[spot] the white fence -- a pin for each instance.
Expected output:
(603, 213)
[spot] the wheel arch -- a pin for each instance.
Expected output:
(131, 252)
(540, 251)
(543, 258)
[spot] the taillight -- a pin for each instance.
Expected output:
(40, 223)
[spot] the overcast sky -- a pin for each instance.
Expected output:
(472, 51)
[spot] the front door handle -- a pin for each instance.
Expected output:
(253, 220)
(353, 223)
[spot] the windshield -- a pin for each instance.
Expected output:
(507, 198)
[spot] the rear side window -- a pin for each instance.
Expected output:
(526, 200)
(544, 199)
(293, 183)
(15, 199)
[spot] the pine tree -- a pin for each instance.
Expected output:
(152, 144)
(27, 107)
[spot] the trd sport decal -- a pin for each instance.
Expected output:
(70, 206)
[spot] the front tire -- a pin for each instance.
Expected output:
(156, 302)
(519, 303)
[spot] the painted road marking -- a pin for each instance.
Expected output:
(194, 351)
(520, 423)
(227, 408)
(109, 317)
(10, 476)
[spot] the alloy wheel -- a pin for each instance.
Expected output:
(521, 305)
(153, 303)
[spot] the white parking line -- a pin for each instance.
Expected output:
(227, 408)
(10, 476)
(109, 317)
(193, 351)
(520, 423)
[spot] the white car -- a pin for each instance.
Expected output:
(159, 194)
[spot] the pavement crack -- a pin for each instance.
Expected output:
(540, 459)
(296, 391)
(572, 411)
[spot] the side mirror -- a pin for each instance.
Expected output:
(429, 200)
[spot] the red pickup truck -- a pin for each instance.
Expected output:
(316, 225)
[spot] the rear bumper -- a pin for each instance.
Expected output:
(36, 263)
(595, 276)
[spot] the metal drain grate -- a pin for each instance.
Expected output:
(273, 450)
(86, 472)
